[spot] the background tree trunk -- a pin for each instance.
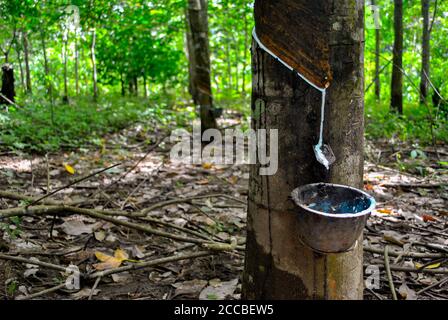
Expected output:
(76, 64)
(8, 89)
(65, 96)
(426, 53)
(191, 62)
(93, 59)
(397, 75)
(27, 62)
(145, 89)
(123, 89)
(377, 60)
(198, 26)
(19, 60)
(278, 265)
(46, 68)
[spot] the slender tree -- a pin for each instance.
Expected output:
(278, 265)
(396, 101)
(26, 54)
(200, 61)
(426, 52)
(93, 60)
(377, 58)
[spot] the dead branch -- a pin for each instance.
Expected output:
(380, 264)
(34, 262)
(41, 293)
(151, 263)
(23, 211)
(72, 183)
(187, 199)
(417, 255)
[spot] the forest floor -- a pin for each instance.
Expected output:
(183, 212)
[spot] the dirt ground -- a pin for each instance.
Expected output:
(205, 202)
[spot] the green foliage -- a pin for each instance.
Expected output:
(144, 41)
(13, 228)
(38, 129)
(414, 125)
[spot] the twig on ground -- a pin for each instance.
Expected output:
(34, 262)
(438, 283)
(122, 176)
(389, 273)
(123, 204)
(375, 294)
(186, 199)
(97, 281)
(43, 292)
(439, 248)
(20, 197)
(380, 264)
(407, 254)
(72, 183)
(46, 253)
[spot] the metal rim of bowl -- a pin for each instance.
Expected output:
(336, 215)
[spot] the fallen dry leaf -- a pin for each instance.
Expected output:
(76, 227)
(207, 165)
(427, 217)
(431, 266)
(110, 262)
(69, 168)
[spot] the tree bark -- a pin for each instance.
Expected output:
(198, 26)
(426, 53)
(27, 62)
(397, 75)
(278, 265)
(93, 59)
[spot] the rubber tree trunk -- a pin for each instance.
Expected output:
(424, 74)
(27, 62)
(277, 264)
(396, 101)
(7, 89)
(198, 25)
(377, 60)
